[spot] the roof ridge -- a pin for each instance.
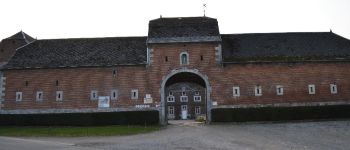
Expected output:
(182, 17)
(88, 38)
(272, 33)
(24, 37)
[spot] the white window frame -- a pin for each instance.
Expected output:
(312, 89)
(279, 90)
(19, 96)
(236, 91)
(171, 98)
(171, 111)
(333, 88)
(183, 98)
(197, 98)
(57, 95)
(197, 110)
(39, 96)
(135, 94)
(114, 94)
(258, 90)
(187, 56)
(92, 95)
(184, 107)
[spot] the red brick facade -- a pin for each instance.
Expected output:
(148, 67)
(77, 83)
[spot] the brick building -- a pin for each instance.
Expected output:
(184, 68)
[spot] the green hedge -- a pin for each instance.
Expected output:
(280, 113)
(81, 119)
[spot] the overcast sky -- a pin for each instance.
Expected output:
(46, 19)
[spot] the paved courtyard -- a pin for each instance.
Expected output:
(325, 135)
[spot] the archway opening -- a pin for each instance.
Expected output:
(185, 97)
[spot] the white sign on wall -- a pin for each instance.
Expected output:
(148, 99)
(103, 101)
(142, 106)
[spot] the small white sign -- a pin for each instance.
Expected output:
(142, 106)
(103, 101)
(215, 103)
(148, 99)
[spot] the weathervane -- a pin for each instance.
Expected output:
(204, 6)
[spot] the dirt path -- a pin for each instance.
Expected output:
(333, 135)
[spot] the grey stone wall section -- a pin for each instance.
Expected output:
(2, 87)
(162, 116)
(218, 54)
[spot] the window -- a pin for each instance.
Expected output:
(171, 98)
(57, 83)
(183, 107)
(59, 95)
(93, 95)
(236, 91)
(201, 57)
(197, 98)
(312, 89)
(334, 89)
(166, 58)
(258, 90)
(279, 90)
(114, 72)
(171, 111)
(196, 93)
(183, 98)
(197, 110)
(184, 58)
(39, 96)
(18, 96)
(27, 83)
(114, 94)
(135, 94)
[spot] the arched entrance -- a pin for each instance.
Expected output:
(185, 94)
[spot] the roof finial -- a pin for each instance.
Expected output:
(204, 6)
(160, 16)
(330, 30)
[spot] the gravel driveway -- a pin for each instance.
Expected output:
(325, 135)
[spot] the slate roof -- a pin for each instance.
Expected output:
(183, 29)
(262, 47)
(82, 52)
(236, 48)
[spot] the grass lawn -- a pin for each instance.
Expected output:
(76, 131)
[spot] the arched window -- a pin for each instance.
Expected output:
(184, 58)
